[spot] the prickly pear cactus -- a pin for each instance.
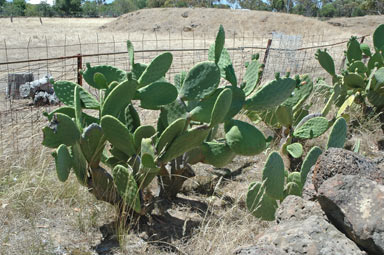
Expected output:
(91, 134)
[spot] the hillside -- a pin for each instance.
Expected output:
(202, 20)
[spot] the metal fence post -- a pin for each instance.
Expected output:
(265, 59)
(79, 67)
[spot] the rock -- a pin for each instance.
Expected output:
(259, 250)
(339, 161)
(187, 29)
(309, 192)
(313, 235)
(355, 205)
(297, 209)
(184, 15)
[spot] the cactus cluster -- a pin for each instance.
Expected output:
(116, 157)
(277, 182)
(362, 80)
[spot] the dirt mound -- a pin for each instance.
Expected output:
(204, 20)
(360, 25)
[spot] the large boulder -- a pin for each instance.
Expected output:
(302, 229)
(339, 161)
(355, 205)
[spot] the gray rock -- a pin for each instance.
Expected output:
(355, 205)
(312, 236)
(297, 209)
(339, 161)
(259, 250)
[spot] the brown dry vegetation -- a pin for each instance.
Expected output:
(40, 215)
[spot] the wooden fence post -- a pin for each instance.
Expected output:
(265, 59)
(79, 67)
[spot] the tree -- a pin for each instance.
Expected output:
(89, 9)
(15, 8)
(68, 7)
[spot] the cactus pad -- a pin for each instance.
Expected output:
(201, 81)
(225, 65)
(64, 90)
(92, 144)
(244, 138)
(295, 150)
(309, 161)
(284, 115)
(251, 77)
(221, 107)
(127, 187)
(157, 93)
(326, 61)
(156, 69)
(273, 176)
(63, 162)
(354, 52)
(271, 95)
(118, 134)
(170, 133)
(354, 80)
(141, 132)
(312, 128)
(61, 130)
(378, 38)
(259, 203)
(216, 154)
(338, 134)
(185, 142)
(132, 118)
(110, 74)
(292, 188)
(148, 153)
(119, 98)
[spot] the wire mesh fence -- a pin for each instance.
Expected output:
(21, 123)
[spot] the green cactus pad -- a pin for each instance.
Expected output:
(110, 74)
(157, 93)
(77, 106)
(131, 53)
(251, 77)
(221, 107)
(67, 110)
(65, 90)
(271, 95)
(127, 187)
(259, 203)
(299, 115)
(201, 81)
(203, 110)
(300, 93)
(175, 110)
(365, 49)
(312, 128)
(63, 162)
(244, 138)
(284, 115)
(378, 38)
(137, 70)
(347, 103)
(375, 60)
(309, 161)
(179, 79)
(358, 66)
(61, 130)
(148, 153)
(119, 98)
(121, 156)
(92, 144)
(225, 64)
(141, 132)
(156, 69)
(354, 80)
(354, 52)
(379, 76)
(326, 61)
(100, 81)
(170, 133)
(132, 118)
(79, 165)
(185, 142)
(216, 154)
(273, 176)
(338, 134)
(295, 150)
(238, 99)
(118, 134)
(296, 178)
(219, 43)
(376, 98)
(292, 188)
(145, 176)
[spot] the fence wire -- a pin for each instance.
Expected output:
(21, 122)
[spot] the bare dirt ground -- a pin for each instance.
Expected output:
(361, 25)
(40, 215)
